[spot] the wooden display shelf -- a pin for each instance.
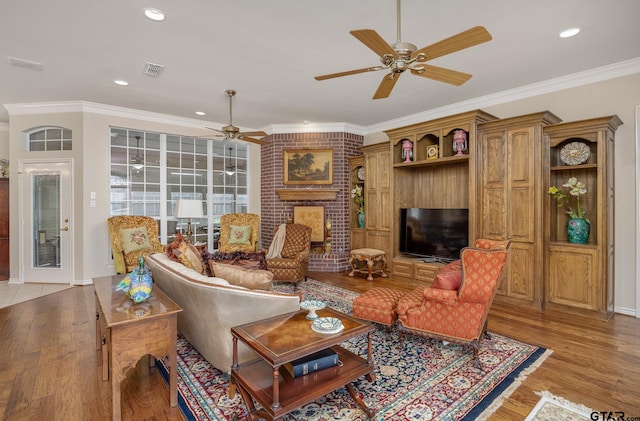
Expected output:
(447, 160)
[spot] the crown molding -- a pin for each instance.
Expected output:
(317, 128)
(612, 71)
(104, 109)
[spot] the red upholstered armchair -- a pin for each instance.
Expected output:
(460, 315)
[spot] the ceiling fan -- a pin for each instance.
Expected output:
(401, 56)
(233, 132)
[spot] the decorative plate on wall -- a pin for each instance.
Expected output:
(575, 153)
(361, 173)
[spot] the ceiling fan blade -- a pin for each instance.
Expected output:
(469, 38)
(350, 72)
(254, 140)
(371, 39)
(256, 134)
(387, 84)
(441, 74)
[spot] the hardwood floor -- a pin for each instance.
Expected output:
(50, 368)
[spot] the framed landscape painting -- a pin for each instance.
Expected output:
(308, 166)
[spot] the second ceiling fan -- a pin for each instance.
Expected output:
(401, 56)
(233, 132)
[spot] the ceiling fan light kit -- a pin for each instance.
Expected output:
(402, 56)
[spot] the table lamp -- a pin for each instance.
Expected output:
(189, 209)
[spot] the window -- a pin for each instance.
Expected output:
(49, 139)
(151, 171)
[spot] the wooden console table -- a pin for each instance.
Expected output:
(126, 331)
(282, 339)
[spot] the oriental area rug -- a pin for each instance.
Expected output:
(427, 380)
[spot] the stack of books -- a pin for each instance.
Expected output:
(311, 363)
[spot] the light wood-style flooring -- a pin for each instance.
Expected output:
(50, 369)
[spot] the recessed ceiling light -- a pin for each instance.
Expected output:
(121, 82)
(568, 33)
(154, 14)
(201, 113)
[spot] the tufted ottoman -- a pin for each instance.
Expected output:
(378, 305)
(371, 257)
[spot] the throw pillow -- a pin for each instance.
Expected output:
(450, 280)
(248, 278)
(449, 276)
(134, 239)
(190, 257)
(239, 235)
(170, 249)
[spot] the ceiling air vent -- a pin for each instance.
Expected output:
(153, 69)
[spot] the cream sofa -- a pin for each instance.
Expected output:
(211, 307)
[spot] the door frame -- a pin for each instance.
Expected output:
(22, 259)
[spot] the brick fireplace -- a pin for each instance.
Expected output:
(275, 211)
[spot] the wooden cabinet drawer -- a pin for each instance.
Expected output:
(426, 271)
(403, 269)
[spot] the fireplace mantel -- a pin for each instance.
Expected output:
(307, 194)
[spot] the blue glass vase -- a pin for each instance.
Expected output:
(360, 219)
(578, 230)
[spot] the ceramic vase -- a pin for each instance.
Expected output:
(578, 230)
(360, 219)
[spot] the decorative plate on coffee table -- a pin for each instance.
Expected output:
(327, 325)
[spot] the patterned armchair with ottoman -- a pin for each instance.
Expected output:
(456, 306)
(288, 255)
(132, 236)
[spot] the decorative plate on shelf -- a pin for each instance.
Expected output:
(360, 173)
(575, 153)
(327, 325)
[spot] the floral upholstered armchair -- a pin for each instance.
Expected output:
(131, 237)
(238, 232)
(290, 261)
(459, 313)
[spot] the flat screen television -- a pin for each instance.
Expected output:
(438, 234)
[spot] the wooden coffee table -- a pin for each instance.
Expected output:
(282, 339)
(126, 331)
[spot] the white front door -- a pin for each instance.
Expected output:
(46, 222)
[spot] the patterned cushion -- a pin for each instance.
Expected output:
(169, 248)
(255, 260)
(378, 305)
(239, 235)
(134, 239)
(483, 243)
(238, 220)
(180, 250)
(298, 238)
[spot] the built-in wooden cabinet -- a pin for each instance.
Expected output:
(509, 198)
(580, 277)
(502, 175)
(377, 200)
(357, 178)
(434, 176)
